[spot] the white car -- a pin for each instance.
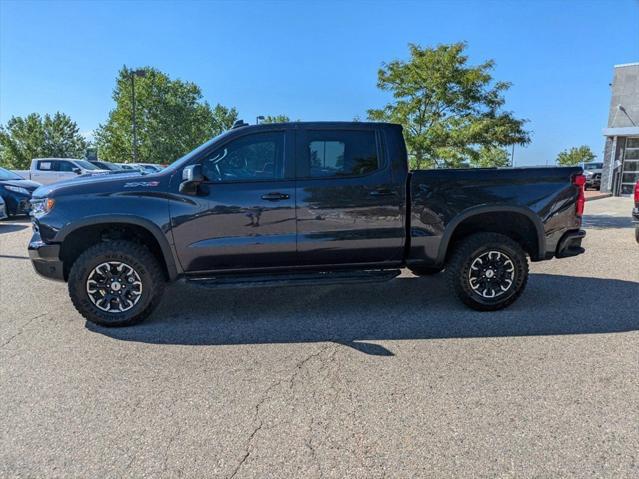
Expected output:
(52, 170)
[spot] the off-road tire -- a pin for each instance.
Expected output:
(467, 251)
(136, 256)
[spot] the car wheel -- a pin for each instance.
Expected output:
(637, 234)
(116, 283)
(424, 270)
(488, 271)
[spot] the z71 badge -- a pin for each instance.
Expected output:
(139, 184)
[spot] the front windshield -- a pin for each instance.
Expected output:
(8, 175)
(86, 165)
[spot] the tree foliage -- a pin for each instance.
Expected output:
(489, 157)
(33, 136)
(449, 109)
(276, 119)
(171, 118)
(576, 156)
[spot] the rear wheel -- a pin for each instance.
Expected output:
(116, 283)
(488, 271)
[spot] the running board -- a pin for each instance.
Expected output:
(294, 279)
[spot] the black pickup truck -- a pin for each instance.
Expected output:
(297, 203)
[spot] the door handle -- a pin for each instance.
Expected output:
(381, 192)
(275, 196)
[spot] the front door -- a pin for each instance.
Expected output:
(244, 214)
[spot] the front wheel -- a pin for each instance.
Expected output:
(116, 283)
(488, 271)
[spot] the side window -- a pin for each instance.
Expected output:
(46, 166)
(66, 166)
(339, 153)
(251, 158)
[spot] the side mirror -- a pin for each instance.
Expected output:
(191, 178)
(77, 171)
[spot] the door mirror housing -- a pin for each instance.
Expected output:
(191, 178)
(77, 171)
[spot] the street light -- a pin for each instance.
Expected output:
(132, 75)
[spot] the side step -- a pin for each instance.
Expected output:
(294, 279)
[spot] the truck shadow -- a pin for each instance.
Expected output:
(405, 308)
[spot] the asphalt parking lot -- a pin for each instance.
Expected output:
(386, 380)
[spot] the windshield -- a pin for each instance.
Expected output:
(593, 166)
(86, 165)
(8, 175)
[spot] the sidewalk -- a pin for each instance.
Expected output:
(596, 195)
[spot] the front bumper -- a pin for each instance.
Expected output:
(570, 244)
(45, 258)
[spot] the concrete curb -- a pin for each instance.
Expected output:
(599, 197)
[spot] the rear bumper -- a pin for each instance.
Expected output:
(570, 244)
(45, 258)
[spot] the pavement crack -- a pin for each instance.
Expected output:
(22, 329)
(257, 419)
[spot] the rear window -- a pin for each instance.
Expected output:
(338, 153)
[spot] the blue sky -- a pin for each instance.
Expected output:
(318, 60)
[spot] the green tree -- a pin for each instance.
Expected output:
(489, 157)
(576, 156)
(449, 109)
(171, 118)
(223, 118)
(33, 136)
(276, 119)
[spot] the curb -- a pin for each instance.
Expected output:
(599, 197)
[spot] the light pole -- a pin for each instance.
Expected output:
(132, 75)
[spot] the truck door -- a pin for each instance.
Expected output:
(349, 210)
(44, 171)
(244, 214)
(66, 170)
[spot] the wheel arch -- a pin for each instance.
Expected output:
(79, 235)
(519, 223)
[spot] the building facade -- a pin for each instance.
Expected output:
(621, 152)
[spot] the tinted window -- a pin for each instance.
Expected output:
(8, 175)
(251, 158)
(339, 153)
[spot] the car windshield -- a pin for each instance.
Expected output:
(86, 165)
(8, 175)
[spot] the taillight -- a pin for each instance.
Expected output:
(580, 181)
(637, 193)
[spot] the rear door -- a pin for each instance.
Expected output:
(244, 214)
(348, 209)
(45, 172)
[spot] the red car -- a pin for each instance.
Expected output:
(635, 212)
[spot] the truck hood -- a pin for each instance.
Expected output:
(101, 184)
(26, 184)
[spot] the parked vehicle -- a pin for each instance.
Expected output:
(147, 167)
(16, 192)
(52, 170)
(105, 165)
(635, 212)
(3, 209)
(592, 172)
(296, 203)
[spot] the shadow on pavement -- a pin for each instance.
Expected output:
(405, 308)
(606, 221)
(12, 227)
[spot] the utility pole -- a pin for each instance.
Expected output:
(132, 75)
(512, 157)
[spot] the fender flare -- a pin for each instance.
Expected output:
(478, 210)
(167, 249)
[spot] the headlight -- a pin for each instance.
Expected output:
(17, 189)
(41, 207)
